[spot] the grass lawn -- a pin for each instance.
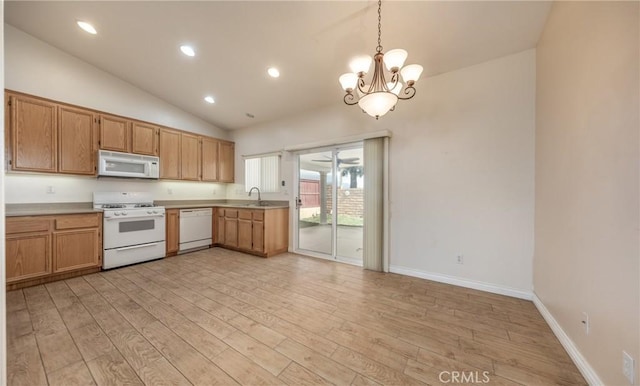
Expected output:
(343, 219)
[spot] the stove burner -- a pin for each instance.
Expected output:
(113, 206)
(143, 206)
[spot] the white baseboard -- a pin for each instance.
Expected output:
(580, 361)
(478, 285)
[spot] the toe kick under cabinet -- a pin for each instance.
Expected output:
(40, 249)
(261, 232)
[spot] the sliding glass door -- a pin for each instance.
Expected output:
(330, 203)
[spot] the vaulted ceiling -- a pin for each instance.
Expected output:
(310, 42)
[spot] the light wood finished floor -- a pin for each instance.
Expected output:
(226, 318)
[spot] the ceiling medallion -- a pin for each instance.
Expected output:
(379, 97)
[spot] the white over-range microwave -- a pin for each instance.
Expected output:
(115, 164)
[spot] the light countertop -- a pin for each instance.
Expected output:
(49, 209)
(44, 209)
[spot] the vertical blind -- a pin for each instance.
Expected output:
(373, 230)
(263, 172)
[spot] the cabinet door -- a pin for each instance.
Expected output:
(28, 256)
(114, 133)
(33, 134)
(190, 157)
(77, 142)
(231, 232)
(209, 159)
(226, 161)
(144, 139)
(218, 228)
(244, 234)
(76, 249)
(169, 154)
(257, 236)
(173, 230)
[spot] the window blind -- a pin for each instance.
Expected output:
(263, 172)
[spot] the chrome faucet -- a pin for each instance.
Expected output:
(256, 188)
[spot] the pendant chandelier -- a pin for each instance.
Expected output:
(380, 96)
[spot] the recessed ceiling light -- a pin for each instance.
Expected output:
(209, 99)
(187, 50)
(273, 72)
(87, 27)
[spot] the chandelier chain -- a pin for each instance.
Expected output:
(379, 48)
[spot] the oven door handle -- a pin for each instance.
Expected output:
(133, 217)
(136, 246)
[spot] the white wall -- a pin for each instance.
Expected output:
(462, 170)
(587, 255)
(34, 67)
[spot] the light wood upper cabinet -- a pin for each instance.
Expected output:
(190, 157)
(47, 136)
(33, 134)
(77, 141)
(226, 161)
(209, 159)
(173, 231)
(144, 138)
(169, 154)
(115, 133)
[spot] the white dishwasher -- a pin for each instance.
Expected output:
(195, 229)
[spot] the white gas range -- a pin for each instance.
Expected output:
(134, 229)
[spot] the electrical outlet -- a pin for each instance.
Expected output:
(51, 189)
(628, 367)
(169, 191)
(460, 259)
(585, 323)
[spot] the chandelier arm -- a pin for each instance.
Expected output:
(361, 86)
(350, 99)
(407, 93)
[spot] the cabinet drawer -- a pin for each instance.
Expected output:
(258, 215)
(22, 225)
(78, 221)
(231, 213)
(244, 214)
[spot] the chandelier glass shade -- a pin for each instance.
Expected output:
(380, 96)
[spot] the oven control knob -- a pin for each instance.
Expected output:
(116, 213)
(155, 212)
(149, 212)
(124, 213)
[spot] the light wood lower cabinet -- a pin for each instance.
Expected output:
(231, 228)
(76, 249)
(173, 231)
(262, 232)
(47, 248)
(245, 232)
(28, 256)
